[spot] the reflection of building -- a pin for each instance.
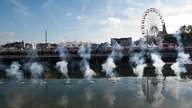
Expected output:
(121, 41)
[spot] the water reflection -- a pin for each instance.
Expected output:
(109, 96)
(127, 92)
(89, 94)
(63, 99)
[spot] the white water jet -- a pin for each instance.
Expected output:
(14, 72)
(85, 53)
(89, 73)
(178, 67)
(108, 66)
(158, 64)
(139, 61)
(36, 70)
(139, 70)
(62, 67)
(182, 58)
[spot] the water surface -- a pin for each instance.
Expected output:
(80, 93)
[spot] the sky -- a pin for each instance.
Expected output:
(84, 20)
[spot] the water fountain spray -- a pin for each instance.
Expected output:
(85, 53)
(156, 58)
(182, 58)
(137, 60)
(34, 67)
(36, 72)
(158, 64)
(14, 72)
(109, 64)
(62, 65)
(139, 64)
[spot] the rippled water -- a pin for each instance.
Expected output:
(127, 92)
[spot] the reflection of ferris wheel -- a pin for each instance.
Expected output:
(152, 22)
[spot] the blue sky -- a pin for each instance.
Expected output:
(84, 20)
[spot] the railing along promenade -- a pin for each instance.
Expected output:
(24, 54)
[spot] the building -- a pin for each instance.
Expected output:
(121, 41)
(170, 40)
(43, 46)
(17, 45)
(28, 46)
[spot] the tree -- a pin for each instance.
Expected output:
(186, 35)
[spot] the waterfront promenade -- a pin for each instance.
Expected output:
(97, 56)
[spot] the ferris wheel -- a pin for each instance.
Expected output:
(152, 22)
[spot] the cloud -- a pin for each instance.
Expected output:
(175, 15)
(79, 17)
(68, 14)
(7, 33)
(20, 8)
(111, 21)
